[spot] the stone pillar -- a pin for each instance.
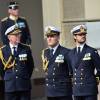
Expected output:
(52, 13)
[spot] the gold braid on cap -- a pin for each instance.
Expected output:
(16, 31)
(45, 61)
(82, 30)
(48, 31)
(7, 64)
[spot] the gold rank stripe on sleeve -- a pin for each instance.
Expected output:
(26, 45)
(45, 61)
(7, 64)
(22, 17)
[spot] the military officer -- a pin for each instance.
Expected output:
(84, 59)
(17, 63)
(13, 10)
(58, 81)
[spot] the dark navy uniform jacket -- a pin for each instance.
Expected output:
(22, 24)
(17, 78)
(84, 77)
(58, 81)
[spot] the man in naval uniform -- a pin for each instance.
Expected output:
(84, 60)
(58, 81)
(14, 19)
(16, 62)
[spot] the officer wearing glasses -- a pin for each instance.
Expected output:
(13, 10)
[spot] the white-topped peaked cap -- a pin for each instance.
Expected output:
(13, 30)
(51, 30)
(13, 3)
(79, 29)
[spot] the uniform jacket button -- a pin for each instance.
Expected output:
(81, 83)
(82, 69)
(75, 69)
(16, 77)
(53, 79)
(53, 73)
(75, 83)
(46, 84)
(46, 79)
(16, 70)
(74, 78)
(81, 73)
(54, 68)
(15, 64)
(75, 74)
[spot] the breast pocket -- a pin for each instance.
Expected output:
(87, 62)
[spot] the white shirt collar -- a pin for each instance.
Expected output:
(11, 46)
(13, 17)
(55, 48)
(81, 47)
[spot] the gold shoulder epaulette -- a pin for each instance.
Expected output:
(22, 17)
(25, 44)
(2, 47)
(44, 49)
(4, 19)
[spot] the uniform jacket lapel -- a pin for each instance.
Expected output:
(47, 54)
(57, 52)
(79, 58)
(19, 49)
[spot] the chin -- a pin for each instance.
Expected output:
(82, 42)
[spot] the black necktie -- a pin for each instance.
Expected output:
(51, 52)
(79, 51)
(14, 51)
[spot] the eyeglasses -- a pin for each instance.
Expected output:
(14, 7)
